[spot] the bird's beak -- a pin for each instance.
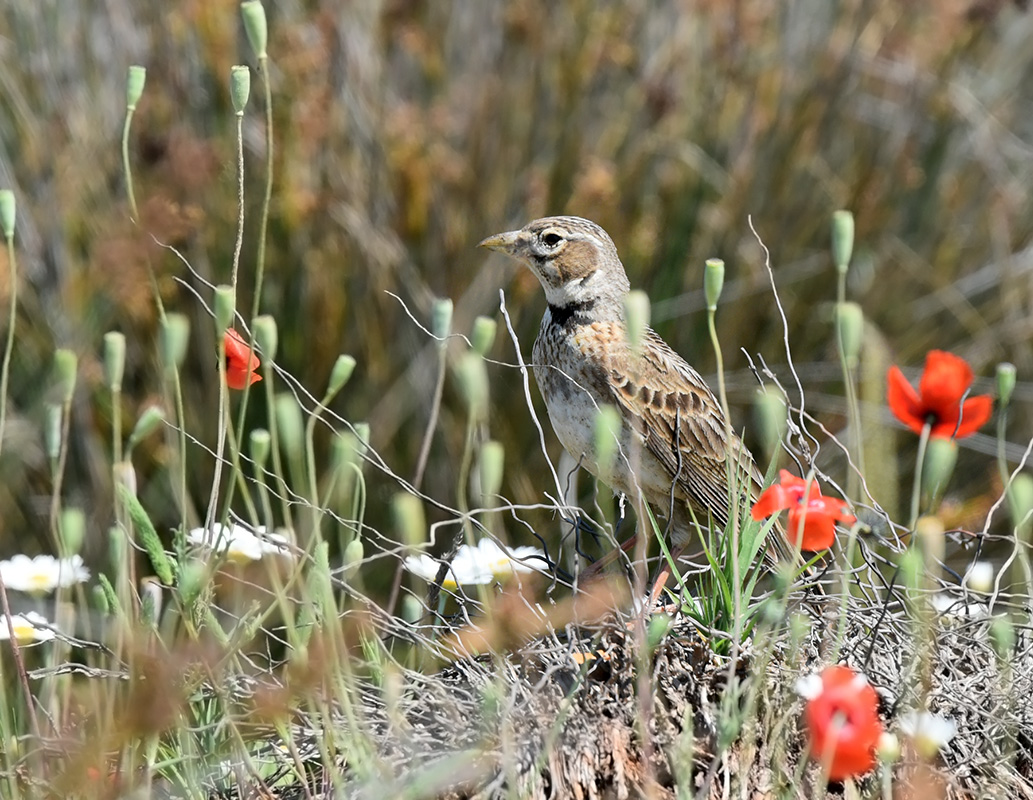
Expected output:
(503, 242)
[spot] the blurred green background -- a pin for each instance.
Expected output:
(408, 131)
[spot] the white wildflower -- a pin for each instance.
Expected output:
(484, 563)
(239, 543)
(42, 574)
(28, 628)
(980, 577)
(929, 732)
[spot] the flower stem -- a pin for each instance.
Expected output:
(916, 489)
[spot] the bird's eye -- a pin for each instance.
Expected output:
(551, 239)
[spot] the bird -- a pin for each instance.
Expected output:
(673, 433)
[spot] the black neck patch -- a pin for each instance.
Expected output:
(573, 314)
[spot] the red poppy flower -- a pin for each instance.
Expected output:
(812, 523)
(842, 718)
(943, 384)
(241, 363)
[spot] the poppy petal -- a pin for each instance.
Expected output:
(974, 415)
(771, 501)
(904, 401)
(944, 381)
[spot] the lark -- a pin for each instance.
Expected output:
(674, 443)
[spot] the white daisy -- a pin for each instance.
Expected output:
(483, 563)
(239, 543)
(930, 732)
(28, 628)
(42, 574)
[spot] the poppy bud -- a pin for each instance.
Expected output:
(148, 422)
(255, 26)
(409, 521)
(52, 433)
(473, 381)
(483, 335)
(66, 365)
(175, 337)
(114, 359)
(769, 417)
(362, 433)
(260, 441)
(290, 426)
(1005, 382)
(607, 439)
(842, 239)
(1020, 504)
(7, 213)
(912, 568)
(636, 315)
(940, 458)
(352, 557)
(888, 749)
(850, 325)
(441, 319)
(135, 81)
(240, 88)
(1002, 633)
(266, 336)
(225, 305)
(72, 530)
(713, 281)
(339, 375)
(491, 466)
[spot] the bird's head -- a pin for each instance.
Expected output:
(574, 259)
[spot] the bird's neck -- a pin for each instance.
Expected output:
(581, 312)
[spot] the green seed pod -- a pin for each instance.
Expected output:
(713, 281)
(260, 442)
(255, 26)
(483, 335)
(114, 359)
(636, 315)
(290, 424)
(441, 319)
(607, 439)
(770, 417)
(148, 422)
(409, 521)
(473, 381)
(362, 433)
(339, 375)
(240, 88)
(7, 212)
(1002, 633)
(1020, 504)
(912, 568)
(842, 239)
(352, 558)
(52, 432)
(135, 81)
(940, 458)
(490, 467)
(192, 578)
(850, 325)
(266, 336)
(225, 305)
(175, 339)
(1005, 383)
(412, 609)
(66, 365)
(72, 529)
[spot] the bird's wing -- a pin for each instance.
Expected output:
(680, 420)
